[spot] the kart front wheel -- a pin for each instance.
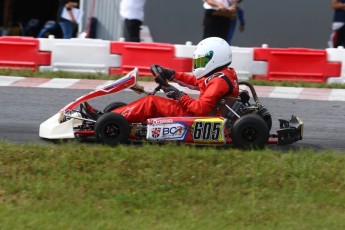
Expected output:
(250, 132)
(112, 129)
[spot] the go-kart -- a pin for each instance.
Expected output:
(242, 122)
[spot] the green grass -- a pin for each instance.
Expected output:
(298, 84)
(78, 186)
(100, 76)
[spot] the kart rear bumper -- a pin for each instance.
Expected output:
(290, 131)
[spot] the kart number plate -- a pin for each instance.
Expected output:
(208, 130)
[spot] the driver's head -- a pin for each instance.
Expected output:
(210, 54)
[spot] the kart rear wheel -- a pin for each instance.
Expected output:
(113, 105)
(112, 129)
(250, 132)
(265, 114)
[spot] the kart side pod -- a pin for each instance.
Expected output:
(290, 131)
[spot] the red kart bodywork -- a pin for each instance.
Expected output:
(123, 83)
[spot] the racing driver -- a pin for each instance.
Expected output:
(212, 76)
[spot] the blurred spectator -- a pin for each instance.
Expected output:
(68, 26)
(217, 16)
(50, 28)
(233, 22)
(133, 13)
(338, 25)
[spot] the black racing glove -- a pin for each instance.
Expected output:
(172, 92)
(167, 74)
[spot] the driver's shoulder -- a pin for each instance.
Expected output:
(214, 78)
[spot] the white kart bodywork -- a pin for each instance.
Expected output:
(54, 128)
(58, 127)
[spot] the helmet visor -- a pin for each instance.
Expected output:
(202, 61)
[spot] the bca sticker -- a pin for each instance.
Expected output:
(208, 130)
(173, 131)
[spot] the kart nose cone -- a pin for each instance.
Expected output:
(54, 128)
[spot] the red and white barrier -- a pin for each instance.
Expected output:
(22, 53)
(245, 65)
(337, 55)
(119, 57)
(144, 54)
(296, 64)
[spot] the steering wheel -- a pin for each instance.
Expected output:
(161, 81)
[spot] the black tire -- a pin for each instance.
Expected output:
(112, 129)
(250, 132)
(112, 106)
(265, 114)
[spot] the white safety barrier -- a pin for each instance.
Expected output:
(244, 64)
(79, 55)
(337, 55)
(184, 51)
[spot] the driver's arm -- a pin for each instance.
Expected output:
(186, 80)
(215, 90)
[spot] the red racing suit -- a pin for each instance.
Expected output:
(212, 88)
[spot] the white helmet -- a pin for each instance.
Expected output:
(210, 54)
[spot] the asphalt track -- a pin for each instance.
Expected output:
(23, 109)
